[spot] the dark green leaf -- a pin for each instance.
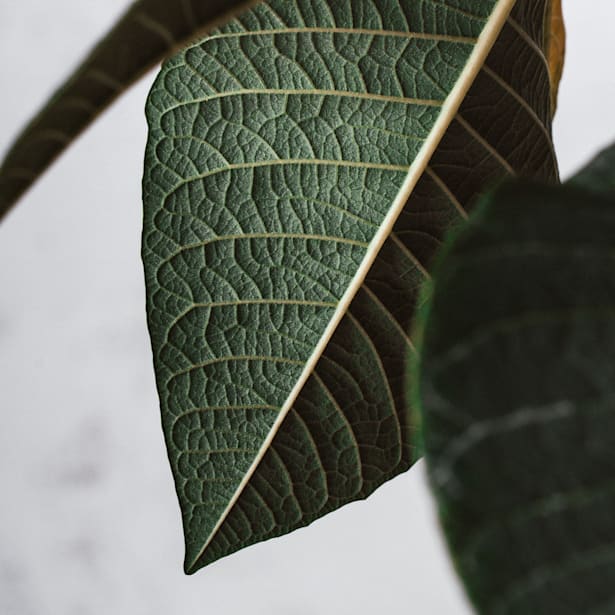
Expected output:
(283, 150)
(599, 176)
(517, 388)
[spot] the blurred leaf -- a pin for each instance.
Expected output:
(599, 176)
(517, 387)
(149, 31)
(283, 151)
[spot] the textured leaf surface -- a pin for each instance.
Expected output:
(517, 384)
(276, 166)
(149, 31)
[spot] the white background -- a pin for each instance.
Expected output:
(88, 518)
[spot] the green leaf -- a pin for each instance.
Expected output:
(303, 164)
(517, 388)
(149, 31)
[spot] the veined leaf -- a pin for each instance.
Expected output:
(149, 31)
(302, 165)
(517, 388)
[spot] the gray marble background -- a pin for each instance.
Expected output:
(88, 519)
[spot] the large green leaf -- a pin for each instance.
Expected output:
(149, 31)
(303, 164)
(517, 387)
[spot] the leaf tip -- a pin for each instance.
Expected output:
(190, 567)
(193, 559)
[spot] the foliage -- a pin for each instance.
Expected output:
(305, 162)
(282, 195)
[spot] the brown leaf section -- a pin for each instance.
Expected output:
(555, 45)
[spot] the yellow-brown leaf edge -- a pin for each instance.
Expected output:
(555, 45)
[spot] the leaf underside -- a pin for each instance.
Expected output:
(518, 397)
(277, 147)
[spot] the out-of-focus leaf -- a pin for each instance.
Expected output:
(149, 31)
(599, 176)
(517, 392)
